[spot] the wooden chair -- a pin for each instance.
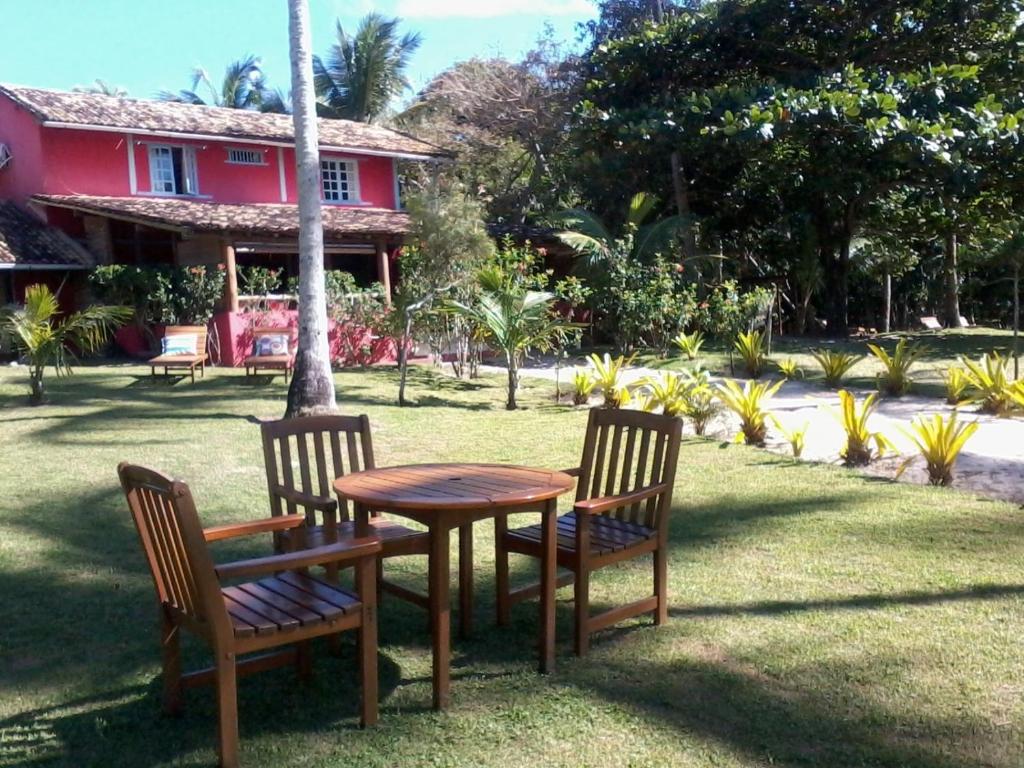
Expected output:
(285, 606)
(269, 363)
(303, 457)
(187, 363)
(623, 498)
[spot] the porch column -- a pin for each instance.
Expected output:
(231, 288)
(384, 269)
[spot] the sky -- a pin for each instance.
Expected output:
(146, 46)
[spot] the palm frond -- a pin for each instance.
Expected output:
(641, 205)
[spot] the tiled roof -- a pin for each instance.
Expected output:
(92, 109)
(251, 218)
(26, 241)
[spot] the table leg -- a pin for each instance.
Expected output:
(465, 580)
(440, 618)
(361, 518)
(548, 568)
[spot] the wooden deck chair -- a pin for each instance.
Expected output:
(623, 498)
(303, 457)
(285, 606)
(930, 323)
(272, 362)
(187, 362)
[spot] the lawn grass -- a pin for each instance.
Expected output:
(944, 348)
(819, 618)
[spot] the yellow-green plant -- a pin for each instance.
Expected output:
(748, 404)
(989, 384)
(859, 438)
(835, 365)
(666, 392)
(895, 380)
(689, 344)
(583, 384)
(750, 347)
(607, 373)
(956, 384)
(797, 438)
(700, 405)
(1016, 393)
(940, 442)
(789, 369)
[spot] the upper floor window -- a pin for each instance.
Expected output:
(245, 156)
(340, 180)
(172, 170)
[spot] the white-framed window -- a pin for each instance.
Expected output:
(238, 156)
(340, 180)
(172, 170)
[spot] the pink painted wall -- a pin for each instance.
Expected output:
(21, 133)
(84, 163)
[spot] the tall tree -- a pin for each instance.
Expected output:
(242, 87)
(364, 72)
(312, 387)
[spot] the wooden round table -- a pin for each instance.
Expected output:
(447, 496)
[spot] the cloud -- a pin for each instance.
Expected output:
(482, 9)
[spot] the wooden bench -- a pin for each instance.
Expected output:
(931, 323)
(272, 363)
(185, 363)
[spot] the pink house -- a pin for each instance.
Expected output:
(149, 182)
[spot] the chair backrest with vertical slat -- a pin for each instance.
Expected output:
(175, 548)
(627, 450)
(307, 454)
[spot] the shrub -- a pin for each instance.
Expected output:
(689, 344)
(751, 350)
(989, 385)
(173, 295)
(835, 365)
(859, 437)
(956, 382)
(666, 393)
(789, 369)
(795, 437)
(259, 281)
(700, 405)
(748, 404)
(727, 311)
(940, 442)
(583, 384)
(607, 372)
(895, 379)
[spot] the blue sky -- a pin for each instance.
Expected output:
(149, 45)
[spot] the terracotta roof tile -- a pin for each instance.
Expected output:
(26, 241)
(92, 109)
(275, 219)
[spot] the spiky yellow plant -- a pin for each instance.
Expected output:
(989, 384)
(666, 392)
(797, 438)
(689, 344)
(583, 384)
(956, 382)
(790, 369)
(750, 347)
(859, 438)
(607, 373)
(748, 403)
(940, 442)
(895, 379)
(835, 365)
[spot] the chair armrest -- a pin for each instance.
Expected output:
(355, 549)
(573, 471)
(292, 496)
(606, 503)
(232, 530)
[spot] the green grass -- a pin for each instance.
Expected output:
(944, 350)
(819, 618)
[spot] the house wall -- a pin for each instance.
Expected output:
(21, 133)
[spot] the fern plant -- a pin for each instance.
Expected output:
(956, 382)
(797, 438)
(583, 384)
(689, 344)
(895, 380)
(666, 393)
(835, 365)
(789, 369)
(988, 384)
(750, 347)
(748, 403)
(939, 441)
(859, 438)
(608, 373)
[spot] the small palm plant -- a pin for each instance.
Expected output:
(748, 404)
(35, 333)
(666, 393)
(608, 372)
(689, 344)
(700, 404)
(940, 442)
(789, 369)
(797, 438)
(859, 438)
(750, 347)
(956, 382)
(1016, 393)
(835, 365)
(583, 384)
(895, 380)
(989, 384)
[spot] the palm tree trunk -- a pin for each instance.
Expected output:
(950, 282)
(1016, 320)
(887, 309)
(37, 394)
(312, 387)
(513, 383)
